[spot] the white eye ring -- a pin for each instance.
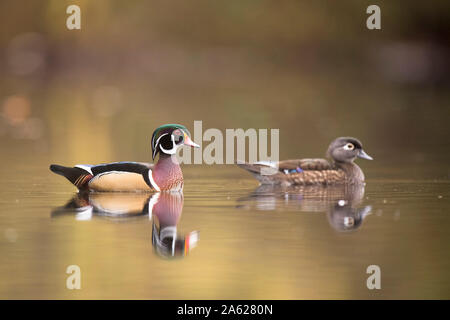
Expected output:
(349, 146)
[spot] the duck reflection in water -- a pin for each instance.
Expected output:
(342, 203)
(167, 244)
(163, 209)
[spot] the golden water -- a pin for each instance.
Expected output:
(310, 69)
(276, 244)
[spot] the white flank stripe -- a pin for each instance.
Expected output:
(151, 204)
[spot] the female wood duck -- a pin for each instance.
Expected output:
(165, 175)
(341, 202)
(341, 169)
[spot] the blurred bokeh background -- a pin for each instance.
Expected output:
(310, 68)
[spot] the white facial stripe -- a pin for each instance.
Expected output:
(157, 141)
(174, 147)
(169, 231)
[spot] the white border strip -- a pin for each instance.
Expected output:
(150, 177)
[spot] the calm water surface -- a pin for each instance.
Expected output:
(224, 238)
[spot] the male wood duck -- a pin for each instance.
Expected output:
(166, 241)
(163, 208)
(341, 169)
(165, 175)
(118, 206)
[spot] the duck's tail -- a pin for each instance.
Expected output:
(263, 172)
(77, 176)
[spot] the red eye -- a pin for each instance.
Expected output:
(178, 139)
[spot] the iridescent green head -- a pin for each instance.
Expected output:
(167, 138)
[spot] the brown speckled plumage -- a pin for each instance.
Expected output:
(341, 169)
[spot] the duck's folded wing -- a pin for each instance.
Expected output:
(134, 167)
(304, 164)
(298, 171)
(308, 177)
(310, 171)
(286, 166)
(120, 176)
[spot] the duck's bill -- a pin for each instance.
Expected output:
(189, 142)
(190, 241)
(364, 155)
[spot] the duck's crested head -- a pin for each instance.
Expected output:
(344, 217)
(167, 138)
(346, 149)
(168, 245)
